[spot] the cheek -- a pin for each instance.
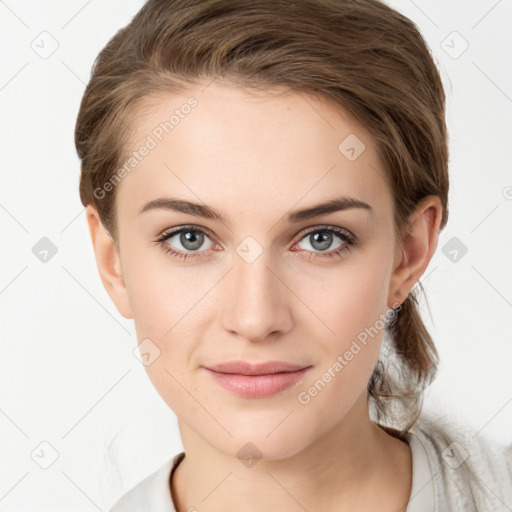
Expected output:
(350, 300)
(354, 308)
(164, 314)
(165, 301)
(160, 293)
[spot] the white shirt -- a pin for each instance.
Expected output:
(422, 491)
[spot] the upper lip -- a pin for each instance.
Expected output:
(246, 368)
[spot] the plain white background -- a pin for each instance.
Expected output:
(70, 384)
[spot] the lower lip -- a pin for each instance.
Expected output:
(258, 386)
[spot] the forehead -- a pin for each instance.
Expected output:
(217, 143)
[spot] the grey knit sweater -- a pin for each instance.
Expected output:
(470, 473)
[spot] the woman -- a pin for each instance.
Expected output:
(265, 184)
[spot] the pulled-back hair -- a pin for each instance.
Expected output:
(359, 55)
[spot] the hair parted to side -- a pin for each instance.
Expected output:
(360, 55)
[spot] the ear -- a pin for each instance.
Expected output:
(418, 245)
(108, 262)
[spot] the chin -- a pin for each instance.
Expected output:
(256, 443)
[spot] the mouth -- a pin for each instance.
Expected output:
(257, 380)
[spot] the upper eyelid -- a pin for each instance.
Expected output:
(174, 231)
(326, 227)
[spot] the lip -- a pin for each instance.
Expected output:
(257, 380)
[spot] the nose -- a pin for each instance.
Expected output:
(256, 300)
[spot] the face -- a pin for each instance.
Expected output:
(262, 283)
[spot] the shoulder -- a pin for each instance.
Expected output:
(469, 471)
(152, 493)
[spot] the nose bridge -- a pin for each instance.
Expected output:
(256, 304)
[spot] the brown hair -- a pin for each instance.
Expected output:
(360, 55)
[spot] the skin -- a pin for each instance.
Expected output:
(256, 156)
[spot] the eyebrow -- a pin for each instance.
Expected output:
(208, 212)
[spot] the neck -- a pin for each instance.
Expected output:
(355, 466)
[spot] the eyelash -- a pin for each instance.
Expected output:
(348, 239)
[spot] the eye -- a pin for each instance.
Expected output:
(188, 238)
(321, 239)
